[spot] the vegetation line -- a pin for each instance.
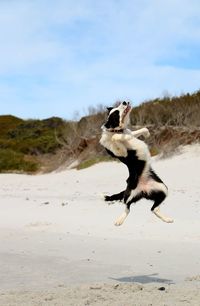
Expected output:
(32, 146)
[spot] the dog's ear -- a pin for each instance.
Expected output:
(113, 120)
(109, 109)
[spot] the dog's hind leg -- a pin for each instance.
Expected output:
(158, 197)
(157, 212)
(115, 197)
(128, 202)
(132, 193)
(123, 216)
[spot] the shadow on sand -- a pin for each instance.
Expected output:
(143, 279)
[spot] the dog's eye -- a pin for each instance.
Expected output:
(124, 103)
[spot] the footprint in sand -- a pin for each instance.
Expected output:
(39, 225)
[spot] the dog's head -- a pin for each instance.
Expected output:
(118, 117)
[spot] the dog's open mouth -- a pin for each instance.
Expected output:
(126, 111)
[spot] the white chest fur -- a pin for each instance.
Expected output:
(119, 143)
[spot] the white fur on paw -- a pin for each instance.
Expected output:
(146, 133)
(116, 137)
(168, 220)
(119, 221)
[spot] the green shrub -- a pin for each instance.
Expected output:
(92, 161)
(176, 111)
(7, 123)
(33, 137)
(14, 161)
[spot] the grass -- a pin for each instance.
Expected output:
(92, 161)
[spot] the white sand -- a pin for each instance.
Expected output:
(59, 245)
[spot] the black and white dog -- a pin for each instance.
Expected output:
(122, 143)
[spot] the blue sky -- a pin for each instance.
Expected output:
(61, 57)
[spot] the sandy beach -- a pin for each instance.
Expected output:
(59, 245)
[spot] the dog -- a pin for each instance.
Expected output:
(122, 143)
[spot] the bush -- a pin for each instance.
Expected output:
(176, 111)
(7, 123)
(14, 161)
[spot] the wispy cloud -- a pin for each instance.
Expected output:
(58, 57)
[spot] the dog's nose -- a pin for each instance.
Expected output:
(125, 103)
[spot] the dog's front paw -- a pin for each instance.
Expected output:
(116, 137)
(146, 133)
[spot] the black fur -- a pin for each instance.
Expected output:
(156, 196)
(134, 165)
(113, 120)
(115, 197)
(135, 168)
(155, 176)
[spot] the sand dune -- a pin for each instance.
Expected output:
(59, 245)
